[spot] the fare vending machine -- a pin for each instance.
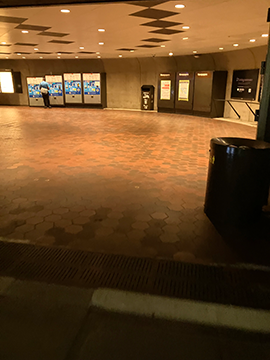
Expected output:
(166, 85)
(34, 94)
(184, 92)
(56, 89)
(73, 88)
(92, 88)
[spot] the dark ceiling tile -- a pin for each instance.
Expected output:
(32, 27)
(61, 42)
(4, 53)
(153, 13)
(161, 23)
(147, 3)
(64, 52)
(147, 46)
(12, 20)
(86, 52)
(25, 44)
(53, 34)
(23, 53)
(125, 49)
(5, 44)
(156, 40)
(166, 31)
(43, 52)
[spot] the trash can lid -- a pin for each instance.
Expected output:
(241, 143)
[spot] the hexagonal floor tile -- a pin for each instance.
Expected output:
(140, 225)
(53, 218)
(169, 238)
(81, 220)
(73, 229)
(60, 211)
(159, 215)
(34, 220)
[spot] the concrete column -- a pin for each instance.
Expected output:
(263, 131)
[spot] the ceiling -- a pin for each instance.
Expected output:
(143, 26)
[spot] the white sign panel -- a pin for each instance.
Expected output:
(34, 80)
(183, 90)
(72, 77)
(6, 82)
(165, 89)
(91, 77)
(54, 78)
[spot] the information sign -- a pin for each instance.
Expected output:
(183, 90)
(56, 86)
(91, 84)
(244, 84)
(33, 87)
(165, 89)
(72, 84)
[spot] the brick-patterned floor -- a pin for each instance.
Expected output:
(111, 181)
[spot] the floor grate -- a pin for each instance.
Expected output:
(217, 284)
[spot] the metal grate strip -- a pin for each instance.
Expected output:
(218, 284)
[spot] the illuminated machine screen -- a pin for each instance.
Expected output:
(6, 82)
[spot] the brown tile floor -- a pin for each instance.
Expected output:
(111, 181)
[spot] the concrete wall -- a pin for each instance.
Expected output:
(126, 76)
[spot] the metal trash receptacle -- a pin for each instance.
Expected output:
(238, 180)
(147, 100)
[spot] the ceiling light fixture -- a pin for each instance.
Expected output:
(81, 47)
(195, 52)
(235, 45)
(58, 53)
(220, 48)
(76, 57)
(23, 57)
(19, 54)
(185, 27)
(162, 45)
(58, 57)
(25, 31)
(252, 40)
(120, 55)
(101, 43)
(185, 38)
(179, 6)
(41, 57)
(6, 57)
(98, 56)
(170, 54)
(65, 11)
(132, 50)
(3, 43)
(35, 49)
(101, 30)
(264, 35)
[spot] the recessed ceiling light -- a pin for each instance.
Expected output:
(81, 47)
(97, 52)
(19, 54)
(235, 45)
(252, 40)
(23, 57)
(101, 43)
(185, 27)
(65, 11)
(132, 50)
(179, 6)
(264, 35)
(35, 49)
(101, 30)
(58, 57)
(98, 56)
(185, 38)
(76, 57)
(195, 52)
(220, 48)
(6, 57)
(170, 54)
(58, 53)
(25, 31)
(162, 45)
(3, 43)
(41, 57)
(120, 55)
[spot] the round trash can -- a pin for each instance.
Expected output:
(238, 180)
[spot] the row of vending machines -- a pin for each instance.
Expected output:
(71, 88)
(193, 92)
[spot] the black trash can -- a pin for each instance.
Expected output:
(238, 180)
(147, 97)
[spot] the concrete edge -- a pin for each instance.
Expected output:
(210, 314)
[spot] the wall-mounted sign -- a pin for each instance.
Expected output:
(91, 84)
(33, 87)
(165, 89)
(56, 85)
(203, 74)
(244, 85)
(6, 82)
(183, 90)
(73, 84)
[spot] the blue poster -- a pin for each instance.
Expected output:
(73, 87)
(34, 91)
(56, 89)
(91, 87)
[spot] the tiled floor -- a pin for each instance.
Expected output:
(111, 181)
